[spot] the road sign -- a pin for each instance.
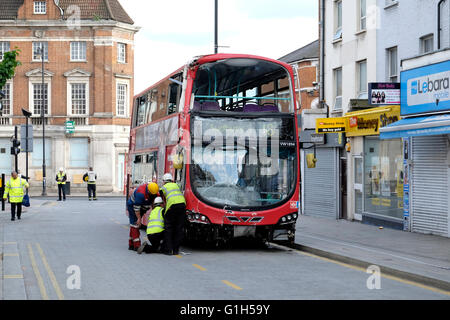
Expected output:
(70, 126)
(23, 141)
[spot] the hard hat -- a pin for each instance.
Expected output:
(158, 200)
(61, 169)
(167, 177)
(153, 188)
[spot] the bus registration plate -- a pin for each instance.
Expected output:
(244, 231)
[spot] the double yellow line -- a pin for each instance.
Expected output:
(49, 272)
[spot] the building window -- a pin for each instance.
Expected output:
(78, 100)
(4, 47)
(362, 14)
(338, 23)
(122, 98)
(40, 7)
(383, 177)
(121, 52)
(444, 24)
(40, 92)
(338, 89)
(36, 159)
(37, 47)
(79, 152)
(392, 64)
(362, 79)
(426, 44)
(6, 101)
(78, 51)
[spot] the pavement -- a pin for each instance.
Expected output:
(421, 258)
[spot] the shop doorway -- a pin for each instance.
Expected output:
(358, 186)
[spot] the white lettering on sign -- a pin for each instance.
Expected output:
(429, 89)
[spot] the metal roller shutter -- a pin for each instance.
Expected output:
(321, 184)
(430, 187)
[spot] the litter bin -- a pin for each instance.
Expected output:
(67, 187)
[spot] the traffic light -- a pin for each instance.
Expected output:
(15, 149)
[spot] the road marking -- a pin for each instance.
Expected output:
(178, 256)
(50, 273)
(199, 267)
(228, 283)
(416, 284)
(10, 254)
(37, 273)
(12, 276)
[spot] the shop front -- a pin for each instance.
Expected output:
(375, 175)
(425, 130)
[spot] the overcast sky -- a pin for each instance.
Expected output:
(174, 31)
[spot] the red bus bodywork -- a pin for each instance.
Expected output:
(218, 225)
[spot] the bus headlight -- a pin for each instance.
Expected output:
(283, 219)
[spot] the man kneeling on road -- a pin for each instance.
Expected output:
(155, 228)
(139, 202)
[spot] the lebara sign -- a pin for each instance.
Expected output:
(426, 89)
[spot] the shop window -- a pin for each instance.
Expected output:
(37, 153)
(383, 177)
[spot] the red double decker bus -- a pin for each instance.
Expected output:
(224, 125)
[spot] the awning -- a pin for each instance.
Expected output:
(421, 126)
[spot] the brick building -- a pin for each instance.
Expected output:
(88, 79)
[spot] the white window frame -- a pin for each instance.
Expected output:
(361, 92)
(423, 41)
(35, 48)
(362, 5)
(11, 97)
(121, 52)
(70, 82)
(39, 7)
(390, 75)
(335, 88)
(81, 50)
(36, 80)
(4, 47)
(338, 20)
(127, 99)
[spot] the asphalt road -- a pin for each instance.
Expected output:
(78, 249)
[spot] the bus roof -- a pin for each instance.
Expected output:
(211, 58)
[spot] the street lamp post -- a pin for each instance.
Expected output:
(27, 115)
(42, 53)
(216, 31)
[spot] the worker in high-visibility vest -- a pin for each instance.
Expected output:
(155, 228)
(61, 178)
(174, 217)
(14, 189)
(91, 177)
(138, 204)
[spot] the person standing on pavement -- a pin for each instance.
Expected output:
(14, 188)
(175, 215)
(139, 202)
(61, 178)
(155, 228)
(91, 177)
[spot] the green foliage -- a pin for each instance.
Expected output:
(8, 66)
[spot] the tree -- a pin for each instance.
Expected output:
(8, 66)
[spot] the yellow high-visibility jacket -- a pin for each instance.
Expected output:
(14, 187)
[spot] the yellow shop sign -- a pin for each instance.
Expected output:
(331, 125)
(368, 122)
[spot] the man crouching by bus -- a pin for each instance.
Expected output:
(155, 228)
(139, 202)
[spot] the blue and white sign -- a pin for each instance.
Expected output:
(426, 89)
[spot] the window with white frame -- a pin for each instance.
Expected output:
(444, 24)
(78, 51)
(122, 99)
(427, 43)
(37, 47)
(392, 64)
(37, 158)
(40, 98)
(79, 152)
(362, 15)
(78, 98)
(40, 7)
(362, 79)
(121, 52)
(337, 89)
(4, 47)
(338, 20)
(6, 101)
